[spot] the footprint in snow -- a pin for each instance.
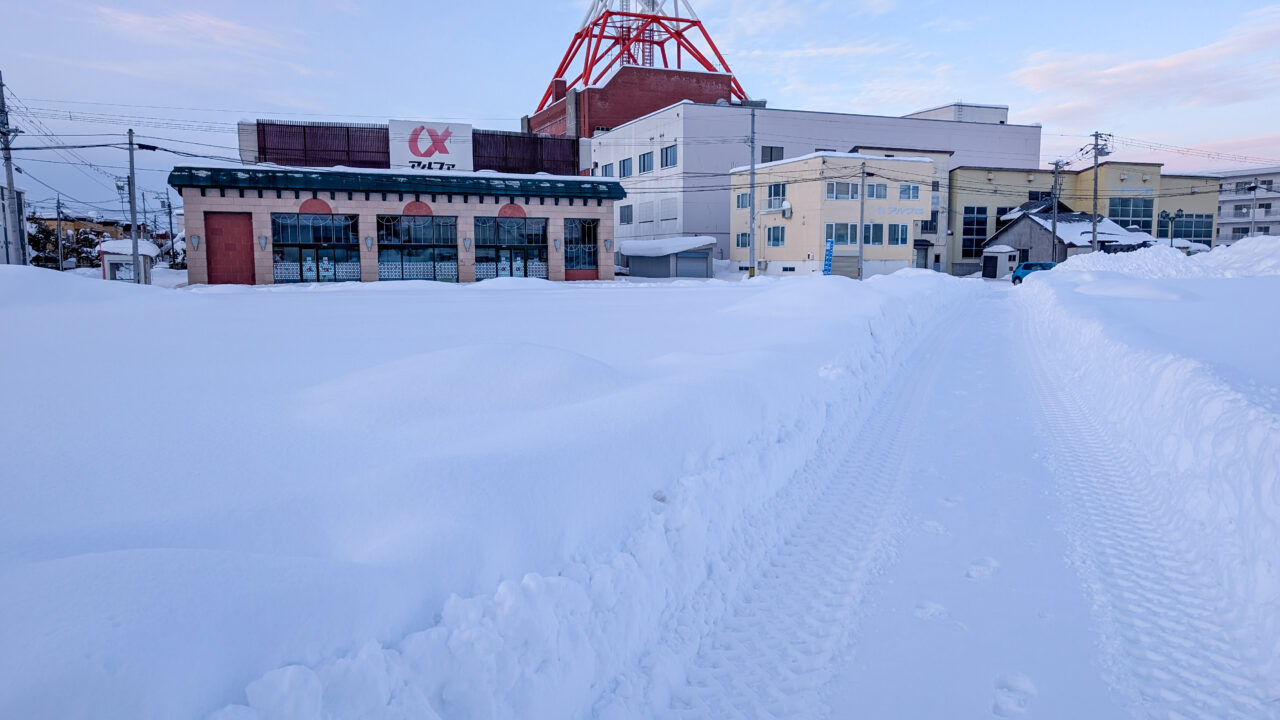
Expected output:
(1014, 693)
(930, 611)
(982, 568)
(933, 527)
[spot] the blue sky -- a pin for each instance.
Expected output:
(1205, 75)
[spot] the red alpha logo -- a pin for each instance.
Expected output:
(438, 141)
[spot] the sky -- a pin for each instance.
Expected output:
(1191, 75)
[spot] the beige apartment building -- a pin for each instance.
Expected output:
(262, 225)
(1130, 194)
(870, 207)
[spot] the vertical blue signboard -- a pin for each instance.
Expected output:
(826, 260)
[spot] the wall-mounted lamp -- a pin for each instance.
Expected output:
(466, 243)
(1146, 178)
(368, 243)
(990, 177)
(1030, 177)
(1124, 176)
(608, 245)
(557, 242)
(195, 242)
(262, 241)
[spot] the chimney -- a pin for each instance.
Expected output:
(557, 89)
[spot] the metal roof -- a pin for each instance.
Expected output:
(258, 178)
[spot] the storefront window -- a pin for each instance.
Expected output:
(511, 247)
(417, 247)
(580, 244)
(310, 247)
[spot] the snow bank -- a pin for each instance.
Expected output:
(410, 499)
(1250, 257)
(1171, 353)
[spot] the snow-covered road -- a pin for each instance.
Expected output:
(980, 548)
(914, 497)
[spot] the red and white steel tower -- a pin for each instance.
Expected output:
(644, 33)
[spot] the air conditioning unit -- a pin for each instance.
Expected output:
(786, 210)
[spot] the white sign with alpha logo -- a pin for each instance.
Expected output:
(430, 145)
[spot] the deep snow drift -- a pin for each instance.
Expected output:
(1180, 357)
(415, 498)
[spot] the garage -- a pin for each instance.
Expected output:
(686, 257)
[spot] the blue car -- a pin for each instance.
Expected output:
(1027, 268)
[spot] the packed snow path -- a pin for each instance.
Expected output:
(949, 564)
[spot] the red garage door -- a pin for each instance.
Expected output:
(229, 245)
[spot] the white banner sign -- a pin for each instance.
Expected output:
(430, 146)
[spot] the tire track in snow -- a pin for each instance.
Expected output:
(1168, 641)
(774, 652)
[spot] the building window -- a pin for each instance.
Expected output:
(770, 153)
(1241, 211)
(606, 170)
(626, 214)
(646, 162)
(974, 232)
(1237, 233)
(1000, 213)
(581, 244)
(873, 234)
(1262, 230)
(842, 191)
(908, 192)
(777, 236)
(842, 233)
(669, 156)
(1242, 187)
(1038, 195)
(417, 247)
(1191, 226)
(777, 194)
(624, 168)
(744, 240)
(898, 234)
(1132, 211)
(744, 200)
(310, 247)
(877, 191)
(510, 247)
(788, 268)
(930, 226)
(936, 186)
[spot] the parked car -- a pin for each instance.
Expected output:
(1027, 268)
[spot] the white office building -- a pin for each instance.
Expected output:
(1248, 204)
(675, 163)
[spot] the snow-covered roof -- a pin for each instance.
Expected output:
(832, 155)
(664, 246)
(125, 247)
(213, 164)
(1076, 229)
(1000, 249)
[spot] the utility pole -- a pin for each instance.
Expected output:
(1253, 213)
(1057, 168)
(133, 214)
(13, 222)
(862, 208)
(173, 241)
(59, 211)
(751, 232)
(1098, 150)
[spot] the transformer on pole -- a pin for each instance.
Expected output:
(645, 33)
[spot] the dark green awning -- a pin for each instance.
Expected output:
(258, 178)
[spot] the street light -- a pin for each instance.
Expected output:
(1165, 216)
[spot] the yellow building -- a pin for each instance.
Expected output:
(871, 207)
(1130, 194)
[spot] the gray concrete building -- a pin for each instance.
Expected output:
(1248, 204)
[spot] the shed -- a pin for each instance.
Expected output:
(117, 259)
(998, 261)
(669, 257)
